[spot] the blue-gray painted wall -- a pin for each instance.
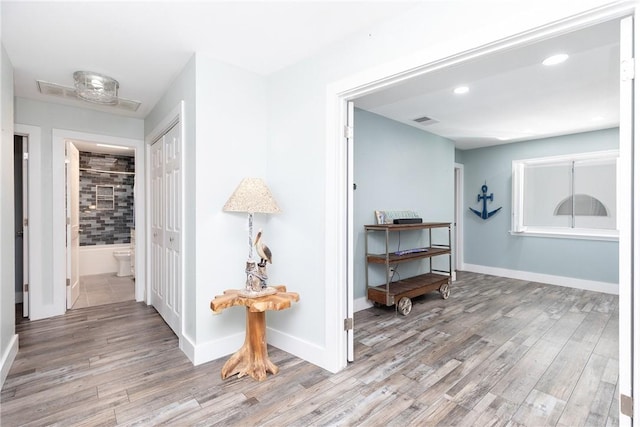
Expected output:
(489, 243)
(398, 167)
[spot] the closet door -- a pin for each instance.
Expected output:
(172, 226)
(166, 220)
(157, 227)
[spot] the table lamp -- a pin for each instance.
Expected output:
(253, 196)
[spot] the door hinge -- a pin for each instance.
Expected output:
(25, 156)
(68, 282)
(25, 288)
(68, 220)
(348, 132)
(348, 324)
(626, 405)
(628, 69)
(25, 222)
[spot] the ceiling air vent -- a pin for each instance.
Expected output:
(66, 92)
(424, 120)
(47, 88)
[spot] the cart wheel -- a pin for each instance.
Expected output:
(404, 305)
(445, 291)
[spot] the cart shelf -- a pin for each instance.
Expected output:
(400, 292)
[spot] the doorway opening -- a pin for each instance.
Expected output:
(347, 91)
(101, 206)
(21, 215)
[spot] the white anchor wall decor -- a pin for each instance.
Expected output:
(485, 214)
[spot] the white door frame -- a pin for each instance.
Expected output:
(36, 219)
(73, 226)
(59, 276)
(338, 94)
(628, 207)
(459, 226)
(25, 226)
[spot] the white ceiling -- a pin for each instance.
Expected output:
(512, 95)
(144, 45)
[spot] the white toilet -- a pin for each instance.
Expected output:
(123, 256)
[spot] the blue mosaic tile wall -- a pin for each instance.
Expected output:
(106, 227)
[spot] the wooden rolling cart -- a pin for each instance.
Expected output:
(400, 292)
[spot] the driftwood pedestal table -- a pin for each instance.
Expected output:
(252, 358)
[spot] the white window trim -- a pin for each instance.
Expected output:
(517, 215)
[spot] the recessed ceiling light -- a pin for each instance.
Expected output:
(504, 138)
(461, 90)
(555, 59)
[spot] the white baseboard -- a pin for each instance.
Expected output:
(361, 303)
(211, 350)
(7, 358)
(569, 282)
(215, 349)
(305, 350)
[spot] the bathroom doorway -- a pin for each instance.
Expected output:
(102, 234)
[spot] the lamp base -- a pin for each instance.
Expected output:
(256, 277)
(257, 294)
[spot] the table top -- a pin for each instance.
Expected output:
(281, 300)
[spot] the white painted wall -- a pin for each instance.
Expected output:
(8, 337)
(231, 145)
(225, 140)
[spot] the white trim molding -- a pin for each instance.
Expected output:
(7, 358)
(361, 303)
(223, 347)
(57, 305)
(568, 282)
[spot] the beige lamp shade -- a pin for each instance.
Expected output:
(253, 196)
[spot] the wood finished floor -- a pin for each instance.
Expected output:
(497, 352)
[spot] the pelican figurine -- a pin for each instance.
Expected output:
(263, 250)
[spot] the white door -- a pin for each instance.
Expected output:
(166, 227)
(350, 231)
(629, 247)
(157, 227)
(173, 226)
(457, 225)
(25, 227)
(73, 224)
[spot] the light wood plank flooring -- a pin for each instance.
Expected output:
(497, 352)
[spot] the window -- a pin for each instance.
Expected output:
(566, 196)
